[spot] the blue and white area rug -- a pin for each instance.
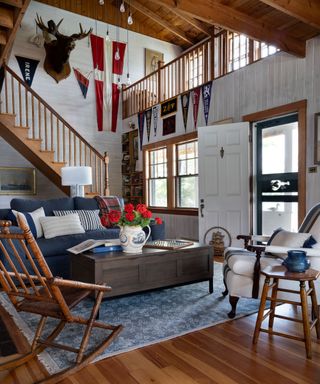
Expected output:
(147, 318)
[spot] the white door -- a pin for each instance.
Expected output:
(224, 179)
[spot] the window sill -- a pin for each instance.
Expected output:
(175, 211)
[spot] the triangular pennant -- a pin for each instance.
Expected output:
(196, 99)
(155, 112)
(141, 127)
(28, 68)
(206, 97)
(185, 98)
(148, 113)
(83, 81)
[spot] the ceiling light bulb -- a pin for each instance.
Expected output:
(130, 19)
(128, 79)
(117, 54)
(101, 2)
(122, 8)
(119, 83)
(107, 36)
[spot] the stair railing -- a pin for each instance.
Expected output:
(54, 133)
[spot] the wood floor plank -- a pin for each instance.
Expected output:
(215, 355)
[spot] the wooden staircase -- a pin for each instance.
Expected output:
(43, 137)
(11, 13)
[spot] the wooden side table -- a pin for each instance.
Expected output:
(281, 272)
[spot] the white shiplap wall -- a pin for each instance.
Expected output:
(66, 97)
(276, 80)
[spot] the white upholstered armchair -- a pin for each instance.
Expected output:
(242, 265)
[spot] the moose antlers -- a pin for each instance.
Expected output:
(56, 62)
(53, 29)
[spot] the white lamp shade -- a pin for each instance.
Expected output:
(76, 175)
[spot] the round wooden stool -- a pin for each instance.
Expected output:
(281, 272)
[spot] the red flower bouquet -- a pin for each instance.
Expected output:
(133, 215)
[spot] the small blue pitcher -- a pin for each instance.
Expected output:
(296, 261)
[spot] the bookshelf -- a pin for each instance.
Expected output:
(132, 180)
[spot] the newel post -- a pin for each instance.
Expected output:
(106, 182)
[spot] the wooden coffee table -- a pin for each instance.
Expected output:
(153, 268)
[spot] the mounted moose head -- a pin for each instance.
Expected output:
(58, 50)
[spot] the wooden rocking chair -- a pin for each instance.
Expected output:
(31, 287)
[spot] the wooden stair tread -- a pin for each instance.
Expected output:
(14, 3)
(6, 17)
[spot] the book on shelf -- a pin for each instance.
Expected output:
(106, 248)
(92, 243)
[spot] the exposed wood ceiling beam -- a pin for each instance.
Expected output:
(192, 21)
(228, 18)
(306, 11)
(146, 11)
(15, 3)
(6, 17)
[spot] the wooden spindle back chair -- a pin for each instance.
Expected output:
(31, 287)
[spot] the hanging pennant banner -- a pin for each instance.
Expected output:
(155, 112)
(206, 97)
(196, 99)
(28, 68)
(83, 81)
(185, 108)
(98, 53)
(141, 127)
(148, 113)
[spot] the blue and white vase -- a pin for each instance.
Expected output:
(133, 238)
(296, 261)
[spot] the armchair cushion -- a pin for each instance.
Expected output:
(289, 239)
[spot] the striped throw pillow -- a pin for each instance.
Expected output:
(89, 219)
(59, 226)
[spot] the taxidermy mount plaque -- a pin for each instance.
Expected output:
(58, 49)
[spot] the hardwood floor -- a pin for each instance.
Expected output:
(222, 354)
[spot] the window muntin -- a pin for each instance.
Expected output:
(187, 195)
(158, 195)
(195, 66)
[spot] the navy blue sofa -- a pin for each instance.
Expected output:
(54, 250)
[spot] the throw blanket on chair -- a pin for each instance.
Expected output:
(107, 204)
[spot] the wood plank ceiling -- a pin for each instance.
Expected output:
(287, 24)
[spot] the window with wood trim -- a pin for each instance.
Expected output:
(238, 48)
(195, 75)
(187, 195)
(171, 174)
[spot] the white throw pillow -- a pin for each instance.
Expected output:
(289, 239)
(54, 226)
(89, 219)
(33, 220)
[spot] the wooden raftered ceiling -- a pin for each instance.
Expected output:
(287, 24)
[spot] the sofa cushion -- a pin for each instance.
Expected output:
(52, 247)
(85, 203)
(27, 205)
(33, 220)
(89, 219)
(59, 226)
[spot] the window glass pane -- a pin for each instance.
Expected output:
(158, 192)
(188, 192)
(285, 215)
(182, 167)
(152, 171)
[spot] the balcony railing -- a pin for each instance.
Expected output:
(212, 58)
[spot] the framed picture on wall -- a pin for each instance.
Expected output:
(317, 138)
(17, 181)
(152, 59)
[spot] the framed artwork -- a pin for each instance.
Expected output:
(168, 107)
(169, 125)
(17, 181)
(151, 60)
(317, 138)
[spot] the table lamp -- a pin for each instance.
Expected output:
(76, 178)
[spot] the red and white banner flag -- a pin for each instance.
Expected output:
(107, 67)
(196, 100)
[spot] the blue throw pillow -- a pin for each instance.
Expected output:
(309, 242)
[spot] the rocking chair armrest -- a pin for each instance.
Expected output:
(258, 249)
(79, 284)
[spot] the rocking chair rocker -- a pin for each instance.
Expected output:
(31, 287)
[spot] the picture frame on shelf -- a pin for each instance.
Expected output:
(317, 138)
(17, 181)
